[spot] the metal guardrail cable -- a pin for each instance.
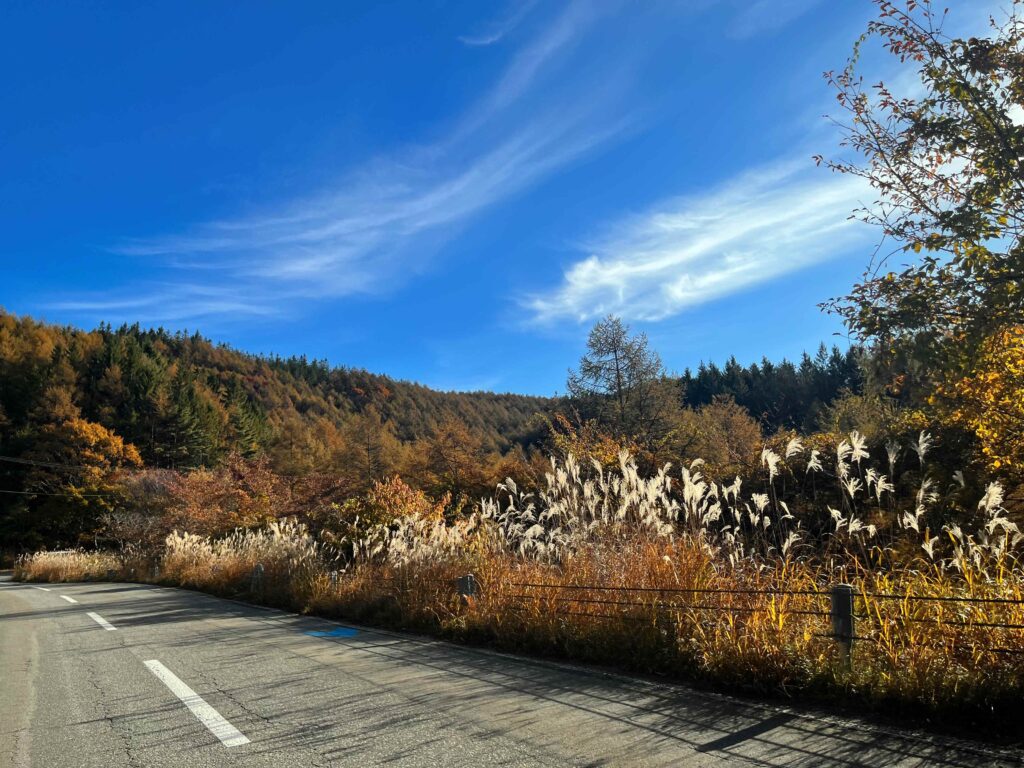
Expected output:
(946, 648)
(605, 616)
(741, 609)
(831, 636)
(994, 624)
(706, 607)
(553, 604)
(937, 599)
(986, 624)
(932, 646)
(668, 606)
(539, 598)
(662, 606)
(775, 593)
(767, 592)
(681, 590)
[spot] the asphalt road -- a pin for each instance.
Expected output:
(131, 675)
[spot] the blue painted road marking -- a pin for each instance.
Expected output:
(339, 632)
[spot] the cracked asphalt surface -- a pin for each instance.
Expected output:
(74, 694)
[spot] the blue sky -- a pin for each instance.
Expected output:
(448, 192)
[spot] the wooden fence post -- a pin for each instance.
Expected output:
(467, 587)
(842, 621)
(256, 580)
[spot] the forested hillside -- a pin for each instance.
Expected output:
(80, 411)
(781, 395)
(184, 402)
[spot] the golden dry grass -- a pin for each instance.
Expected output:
(68, 566)
(654, 577)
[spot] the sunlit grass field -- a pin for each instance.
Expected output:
(670, 574)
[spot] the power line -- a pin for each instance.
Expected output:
(53, 465)
(47, 464)
(63, 493)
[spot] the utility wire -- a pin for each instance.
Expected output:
(64, 493)
(47, 464)
(53, 465)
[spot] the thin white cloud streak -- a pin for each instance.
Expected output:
(168, 303)
(693, 250)
(556, 38)
(762, 225)
(339, 244)
(379, 223)
(765, 16)
(497, 31)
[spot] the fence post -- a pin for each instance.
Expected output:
(467, 588)
(256, 580)
(842, 621)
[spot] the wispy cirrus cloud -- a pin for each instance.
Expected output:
(496, 30)
(765, 16)
(382, 222)
(557, 37)
(337, 242)
(167, 303)
(691, 250)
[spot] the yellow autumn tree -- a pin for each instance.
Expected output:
(989, 401)
(385, 502)
(73, 480)
(586, 440)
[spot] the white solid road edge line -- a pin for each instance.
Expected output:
(101, 621)
(42, 588)
(207, 715)
(69, 599)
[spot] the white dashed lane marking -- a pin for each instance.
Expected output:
(101, 621)
(207, 715)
